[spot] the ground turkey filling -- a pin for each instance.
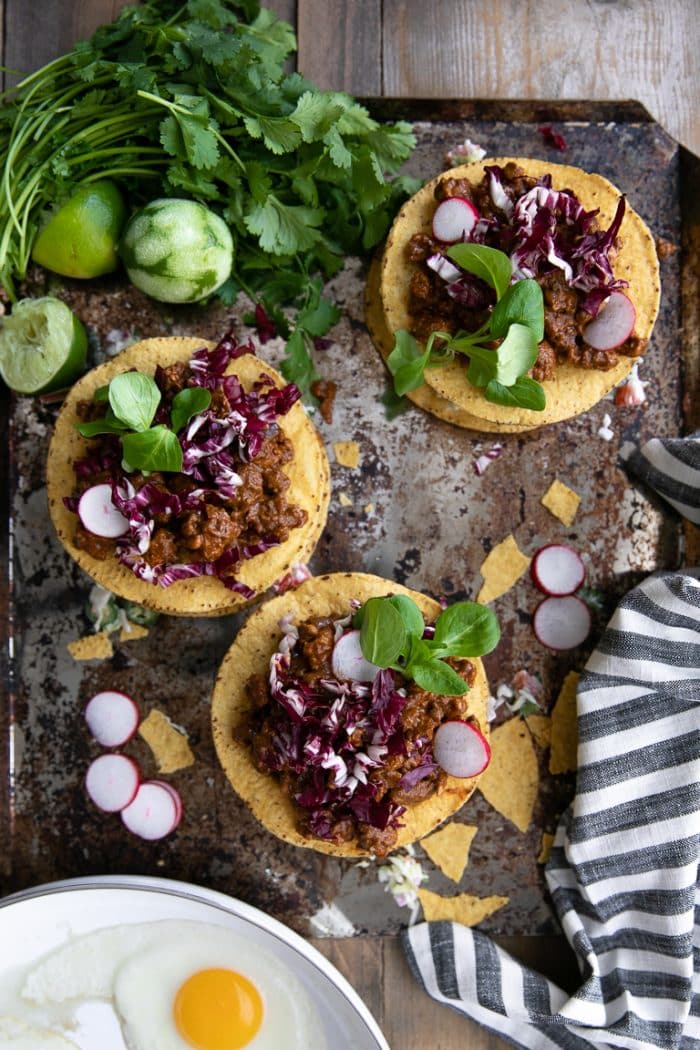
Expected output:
(229, 503)
(353, 756)
(438, 302)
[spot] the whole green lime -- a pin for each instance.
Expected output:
(177, 251)
(80, 238)
(43, 346)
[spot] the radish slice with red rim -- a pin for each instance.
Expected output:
(112, 782)
(562, 623)
(461, 749)
(112, 718)
(175, 796)
(348, 660)
(557, 570)
(613, 324)
(454, 220)
(99, 515)
(154, 811)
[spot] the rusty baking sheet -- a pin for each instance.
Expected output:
(413, 510)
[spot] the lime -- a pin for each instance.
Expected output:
(43, 346)
(80, 239)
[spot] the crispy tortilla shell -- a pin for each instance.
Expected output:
(573, 390)
(309, 473)
(250, 654)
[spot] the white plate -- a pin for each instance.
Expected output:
(38, 920)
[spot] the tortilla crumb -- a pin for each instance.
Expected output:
(561, 501)
(347, 453)
(562, 757)
(541, 728)
(449, 848)
(464, 908)
(93, 647)
(368, 508)
(545, 847)
(167, 742)
(133, 632)
(510, 781)
(344, 500)
(501, 568)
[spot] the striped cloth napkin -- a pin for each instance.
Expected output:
(623, 872)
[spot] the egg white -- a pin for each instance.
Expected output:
(18, 1035)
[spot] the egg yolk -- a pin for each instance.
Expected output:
(218, 1009)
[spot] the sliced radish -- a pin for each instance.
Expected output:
(349, 662)
(154, 812)
(99, 515)
(461, 749)
(557, 570)
(562, 623)
(454, 220)
(112, 718)
(613, 324)
(112, 782)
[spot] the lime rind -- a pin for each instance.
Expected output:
(43, 346)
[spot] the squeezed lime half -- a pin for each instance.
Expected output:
(43, 346)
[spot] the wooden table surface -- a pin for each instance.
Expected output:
(577, 49)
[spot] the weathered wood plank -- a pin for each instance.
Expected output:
(340, 44)
(37, 33)
(513, 49)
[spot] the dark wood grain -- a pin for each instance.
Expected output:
(340, 45)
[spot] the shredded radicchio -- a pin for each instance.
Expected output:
(542, 230)
(332, 734)
(210, 444)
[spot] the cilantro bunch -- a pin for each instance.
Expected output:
(193, 100)
(392, 633)
(500, 353)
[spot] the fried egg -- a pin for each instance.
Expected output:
(182, 985)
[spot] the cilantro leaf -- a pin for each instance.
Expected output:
(284, 229)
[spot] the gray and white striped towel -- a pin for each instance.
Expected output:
(623, 873)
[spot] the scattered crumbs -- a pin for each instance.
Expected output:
(93, 647)
(368, 508)
(561, 501)
(605, 432)
(464, 908)
(633, 391)
(545, 847)
(510, 781)
(168, 742)
(344, 500)
(402, 874)
(664, 247)
(132, 632)
(562, 757)
(449, 848)
(347, 453)
(330, 921)
(541, 728)
(501, 568)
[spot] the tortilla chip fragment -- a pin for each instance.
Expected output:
(347, 453)
(463, 908)
(449, 848)
(92, 647)
(511, 778)
(562, 757)
(561, 501)
(541, 728)
(133, 632)
(168, 743)
(501, 568)
(545, 847)
(344, 500)
(368, 508)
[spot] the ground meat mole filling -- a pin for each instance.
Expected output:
(193, 526)
(352, 756)
(436, 306)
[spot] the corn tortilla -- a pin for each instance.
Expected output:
(573, 390)
(309, 474)
(250, 654)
